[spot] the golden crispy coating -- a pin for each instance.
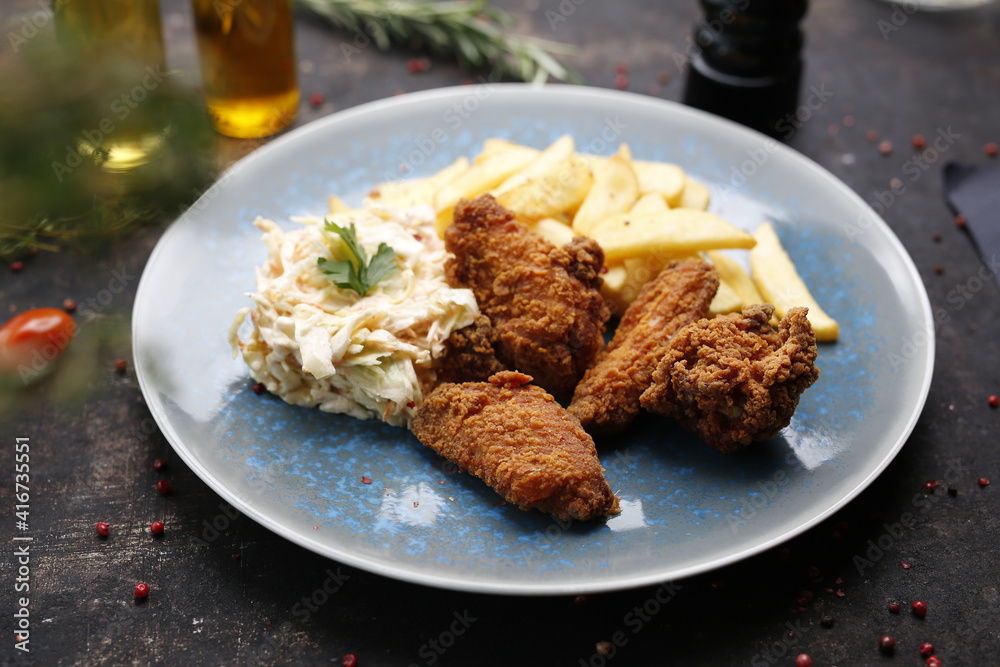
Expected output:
(607, 398)
(733, 379)
(546, 313)
(469, 353)
(520, 441)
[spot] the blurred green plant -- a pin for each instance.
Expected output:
(476, 33)
(90, 149)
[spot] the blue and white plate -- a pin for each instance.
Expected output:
(686, 508)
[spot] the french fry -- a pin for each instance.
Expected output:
(726, 300)
(552, 230)
(613, 287)
(417, 191)
(479, 178)
(336, 205)
(694, 195)
(493, 146)
(731, 272)
(679, 230)
(562, 188)
(557, 152)
(615, 189)
(651, 202)
(662, 177)
(780, 283)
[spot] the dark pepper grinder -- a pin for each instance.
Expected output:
(746, 62)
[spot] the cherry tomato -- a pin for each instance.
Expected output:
(32, 340)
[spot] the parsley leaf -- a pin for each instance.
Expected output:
(356, 272)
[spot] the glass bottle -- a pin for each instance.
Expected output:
(247, 52)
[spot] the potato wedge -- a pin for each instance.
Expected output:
(780, 283)
(493, 146)
(651, 202)
(726, 300)
(336, 205)
(732, 273)
(562, 188)
(552, 230)
(662, 177)
(679, 230)
(417, 191)
(557, 153)
(614, 191)
(479, 178)
(613, 288)
(694, 195)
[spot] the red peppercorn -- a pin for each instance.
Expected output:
(871, 135)
(156, 528)
(417, 65)
(316, 100)
(926, 649)
(886, 644)
(983, 481)
(885, 147)
(938, 269)
(349, 660)
(991, 149)
(919, 608)
(621, 81)
(960, 221)
(934, 661)
(848, 121)
(164, 486)
(930, 485)
(121, 365)
(102, 528)
(69, 305)
(894, 607)
(17, 266)
(919, 142)
(366, 480)
(159, 464)
(803, 660)
(141, 590)
(905, 565)
(258, 388)
(994, 401)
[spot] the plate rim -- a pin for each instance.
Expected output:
(567, 91)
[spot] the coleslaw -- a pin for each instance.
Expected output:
(315, 344)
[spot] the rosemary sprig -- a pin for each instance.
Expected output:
(473, 31)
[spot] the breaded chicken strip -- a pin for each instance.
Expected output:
(733, 379)
(545, 312)
(519, 440)
(607, 399)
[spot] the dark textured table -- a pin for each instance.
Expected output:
(227, 591)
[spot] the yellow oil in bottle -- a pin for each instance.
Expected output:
(247, 53)
(124, 39)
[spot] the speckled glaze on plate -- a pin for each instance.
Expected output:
(686, 508)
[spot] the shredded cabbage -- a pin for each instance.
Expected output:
(315, 344)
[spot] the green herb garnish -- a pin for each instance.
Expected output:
(356, 272)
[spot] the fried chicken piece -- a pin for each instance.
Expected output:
(733, 379)
(607, 398)
(547, 316)
(519, 440)
(469, 353)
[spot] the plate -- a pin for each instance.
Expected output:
(686, 509)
